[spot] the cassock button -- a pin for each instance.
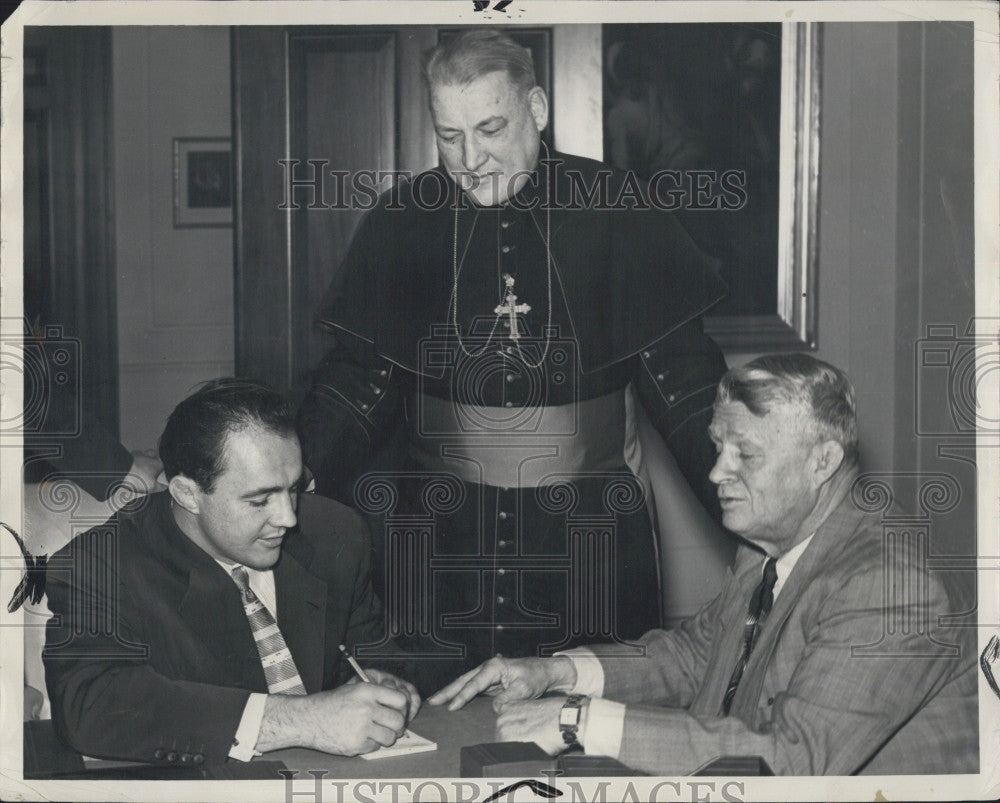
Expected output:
(172, 756)
(501, 571)
(509, 349)
(508, 404)
(502, 515)
(510, 377)
(499, 627)
(500, 600)
(770, 701)
(659, 377)
(504, 224)
(505, 249)
(364, 406)
(671, 397)
(185, 758)
(159, 754)
(383, 372)
(378, 391)
(501, 544)
(645, 354)
(198, 758)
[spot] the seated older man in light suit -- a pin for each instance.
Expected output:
(770, 667)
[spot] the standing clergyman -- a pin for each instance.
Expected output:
(503, 306)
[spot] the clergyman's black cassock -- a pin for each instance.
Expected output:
(474, 568)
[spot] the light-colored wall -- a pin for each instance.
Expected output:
(576, 90)
(857, 222)
(175, 286)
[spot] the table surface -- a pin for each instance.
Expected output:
(452, 730)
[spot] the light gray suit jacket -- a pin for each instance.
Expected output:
(851, 672)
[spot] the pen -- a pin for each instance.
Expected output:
(354, 665)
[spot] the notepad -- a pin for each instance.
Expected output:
(409, 742)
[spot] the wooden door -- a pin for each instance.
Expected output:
(310, 106)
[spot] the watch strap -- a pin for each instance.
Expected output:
(569, 718)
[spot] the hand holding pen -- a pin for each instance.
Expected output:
(381, 678)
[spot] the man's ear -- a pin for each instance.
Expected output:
(827, 457)
(186, 493)
(538, 102)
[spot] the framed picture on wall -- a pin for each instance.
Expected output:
(203, 186)
(724, 119)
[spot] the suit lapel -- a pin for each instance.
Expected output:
(302, 618)
(214, 611)
(206, 601)
(831, 535)
(210, 605)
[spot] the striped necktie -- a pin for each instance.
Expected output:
(760, 607)
(279, 666)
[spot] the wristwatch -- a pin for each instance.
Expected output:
(569, 718)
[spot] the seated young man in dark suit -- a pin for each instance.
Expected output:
(205, 622)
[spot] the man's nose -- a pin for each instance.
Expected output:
(722, 468)
(473, 155)
(284, 512)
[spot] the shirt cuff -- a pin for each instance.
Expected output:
(602, 732)
(589, 672)
(248, 731)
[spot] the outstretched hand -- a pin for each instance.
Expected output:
(508, 679)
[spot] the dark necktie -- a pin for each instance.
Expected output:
(279, 666)
(760, 607)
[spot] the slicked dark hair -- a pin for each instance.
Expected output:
(798, 379)
(194, 440)
(461, 59)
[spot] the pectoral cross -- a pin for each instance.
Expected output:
(510, 307)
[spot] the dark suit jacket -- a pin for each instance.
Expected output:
(852, 671)
(150, 655)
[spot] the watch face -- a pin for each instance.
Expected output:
(569, 716)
